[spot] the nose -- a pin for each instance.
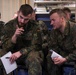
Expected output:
(51, 23)
(22, 20)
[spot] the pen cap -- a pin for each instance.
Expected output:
(51, 51)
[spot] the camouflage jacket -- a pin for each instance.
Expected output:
(33, 37)
(64, 43)
(1, 28)
(1, 31)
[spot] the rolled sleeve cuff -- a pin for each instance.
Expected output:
(68, 59)
(23, 51)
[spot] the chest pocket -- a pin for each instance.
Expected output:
(66, 44)
(29, 36)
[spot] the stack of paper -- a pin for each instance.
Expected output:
(54, 54)
(7, 64)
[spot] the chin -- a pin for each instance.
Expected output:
(21, 24)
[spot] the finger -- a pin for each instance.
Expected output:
(56, 63)
(21, 29)
(12, 59)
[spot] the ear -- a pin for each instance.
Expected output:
(62, 19)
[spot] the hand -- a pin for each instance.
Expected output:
(15, 56)
(58, 60)
(18, 32)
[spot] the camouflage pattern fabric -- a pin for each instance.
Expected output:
(31, 44)
(64, 44)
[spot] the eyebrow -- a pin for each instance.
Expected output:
(24, 18)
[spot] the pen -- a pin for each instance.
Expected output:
(7, 57)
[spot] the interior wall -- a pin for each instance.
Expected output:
(31, 2)
(8, 8)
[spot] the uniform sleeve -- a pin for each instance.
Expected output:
(35, 42)
(40, 38)
(6, 39)
(53, 41)
(44, 34)
(72, 56)
(45, 37)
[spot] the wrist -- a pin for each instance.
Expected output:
(65, 59)
(14, 37)
(20, 53)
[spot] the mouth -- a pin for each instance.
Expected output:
(54, 27)
(21, 24)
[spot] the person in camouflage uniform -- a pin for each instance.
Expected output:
(68, 13)
(1, 35)
(25, 39)
(2, 23)
(42, 27)
(62, 40)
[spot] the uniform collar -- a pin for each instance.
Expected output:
(67, 29)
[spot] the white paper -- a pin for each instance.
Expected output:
(7, 64)
(54, 54)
